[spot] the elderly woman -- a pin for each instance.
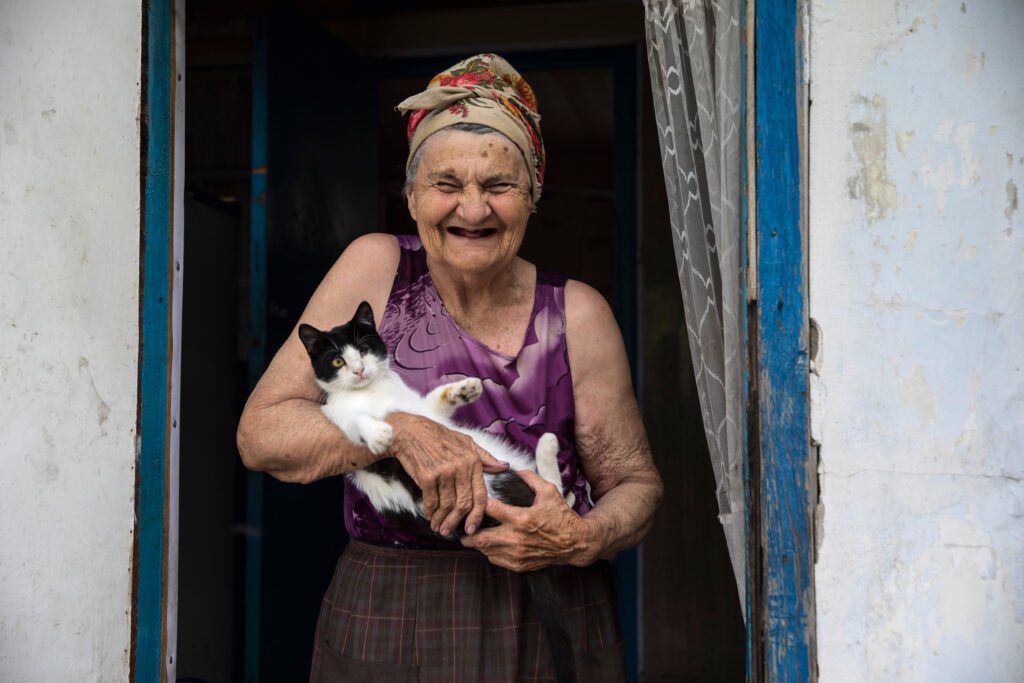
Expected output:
(458, 301)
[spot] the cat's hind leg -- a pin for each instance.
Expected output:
(546, 457)
(447, 397)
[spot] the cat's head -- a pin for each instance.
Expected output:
(351, 356)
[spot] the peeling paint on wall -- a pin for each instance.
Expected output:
(969, 173)
(965, 250)
(908, 244)
(69, 217)
(903, 138)
(102, 409)
(973, 63)
(915, 271)
(869, 133)
(1011, 201)
(918, 395)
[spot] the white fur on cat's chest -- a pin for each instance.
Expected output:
(380, 399)
(387, 394)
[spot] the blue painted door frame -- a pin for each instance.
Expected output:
(783, 584)
(155, 421)
(258, 347)
(781, 484)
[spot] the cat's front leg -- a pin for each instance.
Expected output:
(375, 434)
(447, 397)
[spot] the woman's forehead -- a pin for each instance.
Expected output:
(460, 151)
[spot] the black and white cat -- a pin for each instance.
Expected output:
(351, 366)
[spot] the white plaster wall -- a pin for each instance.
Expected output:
(917, 282)
(69, 280)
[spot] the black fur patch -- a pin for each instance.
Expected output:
(510, 488)
(392, 470)
(323, 347)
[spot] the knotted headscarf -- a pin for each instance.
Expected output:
(482, 89)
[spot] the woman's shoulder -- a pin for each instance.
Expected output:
(382, 252)
(586, 308)
(592, 335)
(373, 256)
(363, 271)
(374, 245)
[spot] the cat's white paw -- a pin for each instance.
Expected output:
(546, 457)
(547, 447)
(378, 437)
(464, 391)
(570, 499)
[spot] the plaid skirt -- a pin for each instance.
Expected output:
(396, 615)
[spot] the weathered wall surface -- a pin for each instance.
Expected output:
(69, 277)
(917, 282)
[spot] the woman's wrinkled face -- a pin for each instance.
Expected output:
(470, 200)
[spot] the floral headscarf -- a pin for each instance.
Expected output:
(482, 89)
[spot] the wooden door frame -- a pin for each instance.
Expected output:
(780, 465)
(153, 619)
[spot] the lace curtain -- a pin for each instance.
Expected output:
(693, 48)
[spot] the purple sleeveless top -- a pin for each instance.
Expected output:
(524, 395)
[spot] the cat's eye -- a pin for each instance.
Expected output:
(338, 362)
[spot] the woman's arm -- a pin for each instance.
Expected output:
(612, 447)
(283, 432)
(610, 436)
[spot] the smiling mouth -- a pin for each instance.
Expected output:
(472, 234)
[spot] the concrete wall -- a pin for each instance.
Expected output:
(69, 277)
(917, 283)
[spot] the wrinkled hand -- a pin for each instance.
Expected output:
(548, 532)
(448, 467)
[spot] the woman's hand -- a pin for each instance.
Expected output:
(448, 467)
(548, 532)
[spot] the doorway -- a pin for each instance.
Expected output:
(675, 591)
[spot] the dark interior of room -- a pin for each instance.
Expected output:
(336, 154)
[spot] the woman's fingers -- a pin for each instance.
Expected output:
(527, 538)
(476, 514)
(430, 499)
(445, 504)
(448, 467)
(491, 464)
(463, 501)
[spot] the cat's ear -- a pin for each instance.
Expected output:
(310, 337)
(364, 315)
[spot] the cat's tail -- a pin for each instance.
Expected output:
(552, 623)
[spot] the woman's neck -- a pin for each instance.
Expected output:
(494, 309)
(471, 294)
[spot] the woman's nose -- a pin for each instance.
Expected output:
(473, 205)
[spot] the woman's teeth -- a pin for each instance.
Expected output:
(472, 234)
